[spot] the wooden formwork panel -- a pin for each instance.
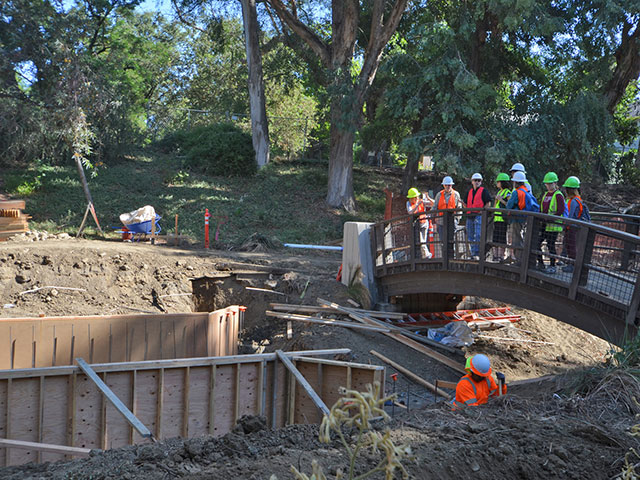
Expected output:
(54, 341)
(172, 398)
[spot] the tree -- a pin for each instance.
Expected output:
(259, 124)
(336, 52)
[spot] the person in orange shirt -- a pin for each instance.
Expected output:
(477, 386)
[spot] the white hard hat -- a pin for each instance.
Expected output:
(518, 167)
(447, 180)
(519, 177)
(476, 176)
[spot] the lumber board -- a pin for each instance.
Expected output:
(24, 398)
(54, 414)
(86, 412)
(223, 399)
(409, 374)
(303, 382)
(370, 321)
(324, 321)
(157, 364)
(45, 447)
(145, 405)
(398, 336)
(198, 401)
(113, 399)
(12, 204)
(287, 307)
(173, 402)
(117, 430)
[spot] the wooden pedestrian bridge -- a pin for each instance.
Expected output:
(601, 295)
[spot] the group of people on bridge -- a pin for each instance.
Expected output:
(513, 193)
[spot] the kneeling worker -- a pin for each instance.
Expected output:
(477, 386)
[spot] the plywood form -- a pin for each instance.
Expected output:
(170, 397)
(54, 341)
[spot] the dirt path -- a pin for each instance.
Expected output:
(534, 434)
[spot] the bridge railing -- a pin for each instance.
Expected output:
(589, 263)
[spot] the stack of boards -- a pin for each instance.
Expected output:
(12, 220)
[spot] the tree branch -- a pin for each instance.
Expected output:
(315, 43)
(376, 46)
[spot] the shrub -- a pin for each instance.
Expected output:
(218, 149)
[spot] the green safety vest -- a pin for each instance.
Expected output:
(553, 209)
(504, 194)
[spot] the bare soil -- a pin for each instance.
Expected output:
(574, 426)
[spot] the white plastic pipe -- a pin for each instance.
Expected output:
(313, 247)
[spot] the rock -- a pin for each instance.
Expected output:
(194, 447)
(53, 293)
(46, 260)
(22, 279)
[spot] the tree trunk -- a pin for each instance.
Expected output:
(627, 66)
(259, 124)
(340, 187)
(410, 173)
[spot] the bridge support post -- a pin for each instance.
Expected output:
(357, 253)
(633, 227)
(526, 248)
(584, 249)
(483, 238)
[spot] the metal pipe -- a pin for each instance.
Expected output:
(313, 247)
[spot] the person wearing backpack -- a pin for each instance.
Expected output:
(499, 222)
(552, 203)
(578, 211)
(520, 199)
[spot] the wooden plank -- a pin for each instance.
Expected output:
(406, 341)
(223, 399)
(12, 204)
(147, 400)
(286, 307)
(324, 321)
(212, 393)
(23, 417)
(409, 374)
(303, 382)
(22, 337)
(117, 429)
(370, 321)
(87, 406)
(173, 402)
(45, 447)
(306, 410)
(156, 364)
(198, 401)
(113, 399)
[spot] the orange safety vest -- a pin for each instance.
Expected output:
(470, 393)
(579, 200)
(442, 204)
(421, 209)
(522, 197)
(474, 199)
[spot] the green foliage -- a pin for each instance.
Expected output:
(628, 355)
(626, 170)
(219, 149)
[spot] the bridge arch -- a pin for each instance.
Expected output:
(601, 294)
